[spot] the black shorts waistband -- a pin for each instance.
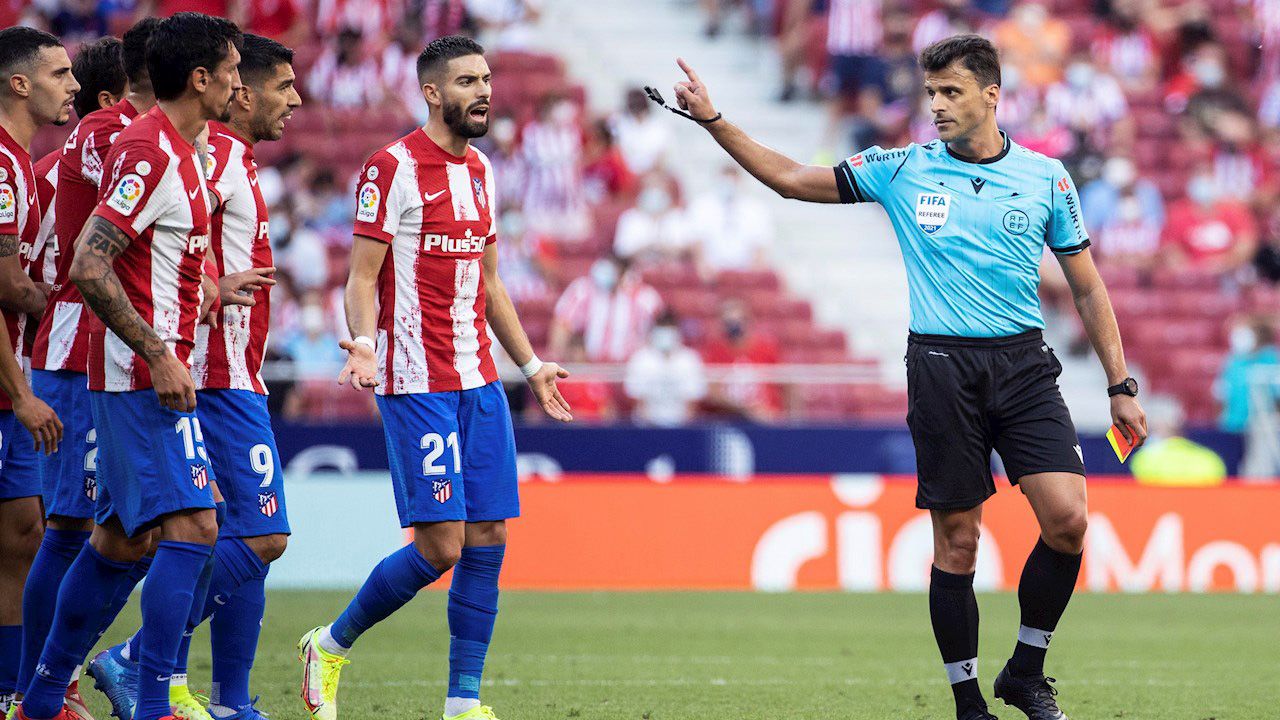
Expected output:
(1030, 337)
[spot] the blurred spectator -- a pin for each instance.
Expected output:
(655, 230)
(1202, 84)
(1090, 102)
(951, 17)
(1208, 232)
(1129, 237)
(1252, 343)
(1045, 134)
(77, 21)
(612, 308)
(509, 167)
(857, 73)
(552, 151)
(399, 70)
(1239, 166)
(1035, 42)
(371, 18)
(731, 228)
(665, 378)
(1126, 48)
(605, 175)
(1018, 102)
(505, 24)
(314, 348)
(743, 393)
(591, 400)
(443, 17)
(344, 75)
(1169, 459)
(642, 136)
(1101, 199)
(1266, 262)
(280, 20)
(803, 25)
(302, 254)
(520, 266)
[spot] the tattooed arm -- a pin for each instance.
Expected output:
(99, 244)
(17, 292)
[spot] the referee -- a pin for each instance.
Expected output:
(972, 212)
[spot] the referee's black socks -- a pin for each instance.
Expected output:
(953, 608)
(1048, 580)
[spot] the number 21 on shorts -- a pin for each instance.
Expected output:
(435, 445)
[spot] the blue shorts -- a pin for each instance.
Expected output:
(151, 460)
(242, 447)
(19, 465)
(452, 455)
(69, 477)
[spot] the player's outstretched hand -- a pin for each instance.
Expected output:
(1127, 415)
(692, 96)
(361, 369)
(238, 288)
(173, 384)
(41, 421)
(210, 296)
(543, 384)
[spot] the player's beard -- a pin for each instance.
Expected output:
(457, 119)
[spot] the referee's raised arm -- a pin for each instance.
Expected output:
(788, 178)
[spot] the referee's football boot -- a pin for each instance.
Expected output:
(1032, 694)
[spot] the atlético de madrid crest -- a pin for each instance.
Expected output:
(478, 184)
(932, 210)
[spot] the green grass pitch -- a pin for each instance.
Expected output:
(670, 656)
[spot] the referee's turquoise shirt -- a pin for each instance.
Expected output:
(972, 233)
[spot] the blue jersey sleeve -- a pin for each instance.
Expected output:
(866, 176)
(1065, 234)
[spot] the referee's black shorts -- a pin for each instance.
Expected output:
(967, 396)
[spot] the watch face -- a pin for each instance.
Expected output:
(1131, 386)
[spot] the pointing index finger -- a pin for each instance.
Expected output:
(693, 76)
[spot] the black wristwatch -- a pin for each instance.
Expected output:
(1128, 386)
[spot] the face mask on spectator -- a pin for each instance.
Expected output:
(512, 224)
(1079, 75)
(564, 113)
(1119, 172)
(1201, 190)
(312, 319)
(1130, 209)
(1209, 73)
(1029, 16)
(733, 329)
(1242, 339)
(504, 130)
(1010, 78)
(604, 274)
(653, 200)
(664, 338)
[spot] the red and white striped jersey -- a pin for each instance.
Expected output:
(614, 322)
(20, 217)
(153, 191)
(854, 27)
(435, 210)
(230, 355)
(62, 340)
(44, 264)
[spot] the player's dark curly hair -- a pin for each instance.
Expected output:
(975, 52)
(442, 50)
(19, 48)
(260, 57)
(135, 51)
(183, 43)
(98, 66)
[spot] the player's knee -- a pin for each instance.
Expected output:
(442, 555)
(956, 551)
(118, 547)
(22, 540)
(199, 527)
(1066, 532)
(269, 548)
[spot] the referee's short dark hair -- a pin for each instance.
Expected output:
(442, 50)
(98, 66)
(184, 42)
(975, 52)
(19, 48)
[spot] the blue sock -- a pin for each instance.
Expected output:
(166, 604)
(75, 623)
(235, 564)
(473, 606)
(233, 632)
(195, 616)
(121, 598)
(393, 582)
(58, 550)
(10, 652)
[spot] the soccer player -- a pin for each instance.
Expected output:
(972, 212)
(38, 90)
(138, 266)
(232, 401)
(99, 68)
(424, 282)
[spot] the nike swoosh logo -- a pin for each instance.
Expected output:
(432, 196)
(253, 181)
(193, 193)
(31, 200)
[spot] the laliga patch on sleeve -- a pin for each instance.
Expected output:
(128, 193)
(370, 196)
(8, 205)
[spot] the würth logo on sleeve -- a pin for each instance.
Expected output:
(1064, 184)
(200, 476)
(856, 160)
(441, 490)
